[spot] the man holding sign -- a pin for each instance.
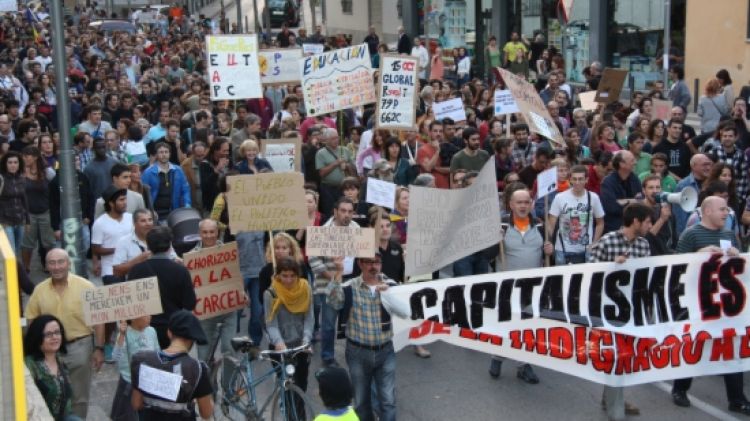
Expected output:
(61, 296)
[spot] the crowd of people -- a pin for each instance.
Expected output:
(148, 140)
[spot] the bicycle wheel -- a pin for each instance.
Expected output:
(293, 404)
(236, 403)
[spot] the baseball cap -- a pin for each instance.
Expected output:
(184, 324)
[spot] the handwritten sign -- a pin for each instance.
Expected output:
(661, 109)
(397, 87)
(588, 100)
(266, 201)
(159, 382)
(452, 108)
(121, 301)
(233, 67)
(332, 241)
(312, 49)
(279, 66)
(284, 155)
(337, 80)
(528, 101)
(381, 193)
(504, 102)
(446, 225)
(610, 86)
(546, 182)
(218, 283)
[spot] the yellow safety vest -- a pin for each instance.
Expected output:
(349, 415)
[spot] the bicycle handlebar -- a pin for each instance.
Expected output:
(287, 352)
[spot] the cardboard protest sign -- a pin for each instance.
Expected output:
(279, 66)
(218, 283)
(610, 86)
(661, 109)
(121, 301)
(233, 71)
(159, 382)
(588, 100)
(284, 155)
(452, 108)
(546, 182)
(446, 225)
(337, 80)
(532, 107)
(381, 193)
(266, 201)
(619, 324)
(505, 103)
(333, 241)
(398, 86)
(312, 49)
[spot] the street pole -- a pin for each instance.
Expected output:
(255, 16)
(665, 52)
(69, 196)
(239, 15)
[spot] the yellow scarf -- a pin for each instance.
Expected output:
(296, 299)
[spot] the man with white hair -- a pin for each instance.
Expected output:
(331, 161)
(404, 43)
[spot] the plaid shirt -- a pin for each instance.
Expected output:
(523, 156)
(85, 156)
(367, 322)
(613, 244)
(119, 155)
(738, 161)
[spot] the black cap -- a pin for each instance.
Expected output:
(112, 192)
(335, 387)
(184, 324)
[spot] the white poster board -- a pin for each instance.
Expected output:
(546, 182)
(233, 70)
(381, 193)
(312, 49)
(397, 92)
(452, 108)
(279, 66)
(505, 103)
(159, 382)
(284, 155)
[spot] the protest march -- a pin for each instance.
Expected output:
(239, 196)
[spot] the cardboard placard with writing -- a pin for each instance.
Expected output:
(233, 70)
(279, 66)
(532, 107)
(218, 283)
(333, 241)
(121, 301)
(398, 87)
(266, 201)
(610, 86)
(446, 225)
(284, 155)
(337, 80)
(661, 109)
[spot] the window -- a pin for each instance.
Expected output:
(346, 7)
(399, 7)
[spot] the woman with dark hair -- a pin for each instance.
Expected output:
(32, 112)
(712, 106)
(504, 163)
(44, 341)
(402, 174)
(135, 147)
(644, 110)
(14, 209)
(49, 150)
(725, 173)
(575, 152)
(603, 138)
(726, 85)
(216, 164)
(37, 194)
(373, 153)
(654, 135)
(139, 187)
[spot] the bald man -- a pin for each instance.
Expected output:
(712, 237)
(700, 168)
(60, 296)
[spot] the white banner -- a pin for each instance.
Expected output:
(337, 80)
(279, 66)
(397, 89)
(645, 320)
(233, 70)
(446, 225)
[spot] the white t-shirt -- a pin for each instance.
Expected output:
(574, 216)
(106, 232)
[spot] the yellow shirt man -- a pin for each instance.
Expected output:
(512, 49)
(66, 306)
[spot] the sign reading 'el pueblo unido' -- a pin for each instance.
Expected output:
(397, 87)
(266, 201)
(121, 301)
(279, 66)
(233, 70)
(337, 80)
(532, 107)
(217, 280)
(333, 241)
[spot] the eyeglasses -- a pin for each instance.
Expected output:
(48, 335)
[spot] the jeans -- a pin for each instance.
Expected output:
(733, 383)
(365, 367)
(255, 326)
(78, 362)
(328, 316)
(228, 331)
(318, 301)
(15, 236)
(562, 258)
(473, 264)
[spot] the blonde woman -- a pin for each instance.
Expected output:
(284, 245)
(251, 162)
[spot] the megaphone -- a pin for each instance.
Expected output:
(687, 199)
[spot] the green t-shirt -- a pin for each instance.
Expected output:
(462, 161)
(643, 164)
(325, 157)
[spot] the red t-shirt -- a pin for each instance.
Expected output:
(425, 153)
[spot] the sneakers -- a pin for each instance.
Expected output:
(495, 367)
(526, 373)
(680, 398)
(421, 351)
(108, 354)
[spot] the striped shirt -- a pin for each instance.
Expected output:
(698, 236)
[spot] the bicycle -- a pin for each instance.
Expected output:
(240, 400)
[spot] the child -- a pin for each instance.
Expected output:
(133, 336)
(335, 390)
